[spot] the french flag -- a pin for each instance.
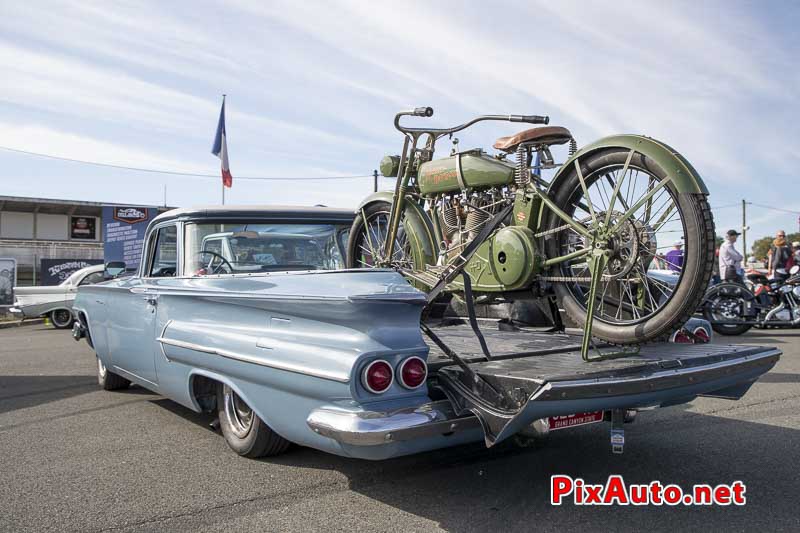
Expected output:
(220, 148)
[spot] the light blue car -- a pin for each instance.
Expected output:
(248, 312)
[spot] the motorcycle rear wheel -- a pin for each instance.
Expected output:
(633, 306)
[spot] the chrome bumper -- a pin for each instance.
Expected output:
(372, 428)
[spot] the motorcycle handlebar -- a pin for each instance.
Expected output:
(428, 112)
(530, 119)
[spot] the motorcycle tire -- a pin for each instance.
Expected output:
(359, 241)
(698, 260)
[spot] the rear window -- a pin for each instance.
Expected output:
(237, 248)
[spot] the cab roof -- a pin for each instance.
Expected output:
(270, 213)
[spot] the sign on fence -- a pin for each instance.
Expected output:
(54, 271)
(123, 232)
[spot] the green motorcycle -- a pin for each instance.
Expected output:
(493, 225)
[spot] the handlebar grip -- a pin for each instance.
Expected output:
(423, 112)
(530, 119)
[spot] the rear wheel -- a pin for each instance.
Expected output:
(644, 294)
(61, 318)
(243, 430)
(725, 305)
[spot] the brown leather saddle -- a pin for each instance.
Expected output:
(547, 135)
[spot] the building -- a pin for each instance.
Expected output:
(32, 229)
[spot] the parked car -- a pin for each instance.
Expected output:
(272, 334)
(55, 301)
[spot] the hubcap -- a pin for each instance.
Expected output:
(238, 413)
(62, 317)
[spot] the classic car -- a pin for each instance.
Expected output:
(55, 301)
(247, 313)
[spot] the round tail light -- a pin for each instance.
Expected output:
(412, 371)
(702, 335)
(377, 376)
(680, 337)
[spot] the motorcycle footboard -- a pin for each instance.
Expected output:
(510, 394)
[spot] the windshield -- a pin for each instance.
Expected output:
(238, 248)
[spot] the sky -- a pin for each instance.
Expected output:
(312, 89)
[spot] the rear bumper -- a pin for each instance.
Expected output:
(373, 428)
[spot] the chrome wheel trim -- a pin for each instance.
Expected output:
(238, 413)
(101, 369)
(61, 313)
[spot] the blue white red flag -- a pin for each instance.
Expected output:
(220, 148)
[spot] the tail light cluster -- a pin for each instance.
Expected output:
(378, 375)
(699, 336)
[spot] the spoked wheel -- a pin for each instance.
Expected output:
(634, 215)
(366, 245)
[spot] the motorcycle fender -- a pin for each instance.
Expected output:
(685, 178)
(418, 226)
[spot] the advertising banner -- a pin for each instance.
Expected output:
(83, 228)
(123, 233)
(54, 271)
(8, 280)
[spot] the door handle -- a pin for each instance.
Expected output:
(151, 299)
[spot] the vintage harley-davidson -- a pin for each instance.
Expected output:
(587, 236)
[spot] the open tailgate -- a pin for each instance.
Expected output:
(515, 389)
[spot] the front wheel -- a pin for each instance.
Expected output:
(659, 246)
(366, 244)
(725, 303)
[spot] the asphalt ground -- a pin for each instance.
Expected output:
(76, 458)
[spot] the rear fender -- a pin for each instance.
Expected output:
(685, 178)
(417, 224)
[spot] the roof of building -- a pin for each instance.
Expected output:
(26, 204)
(273, 212)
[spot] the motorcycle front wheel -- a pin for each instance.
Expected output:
(645, 293)
(366, 244)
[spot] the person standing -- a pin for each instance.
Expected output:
(674, 258)
(778, 256)
(796, 253)
(730, 260)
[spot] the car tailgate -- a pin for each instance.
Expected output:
(511, 392)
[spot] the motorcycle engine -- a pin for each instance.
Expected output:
(461, 216)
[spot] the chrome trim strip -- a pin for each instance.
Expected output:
(373, 428)
(297, 369)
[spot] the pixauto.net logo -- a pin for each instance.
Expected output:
(615, 492)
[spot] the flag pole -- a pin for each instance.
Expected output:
(223, 183)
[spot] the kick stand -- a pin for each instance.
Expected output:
(597, 264)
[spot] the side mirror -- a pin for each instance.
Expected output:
(114, 269)
(794, 270)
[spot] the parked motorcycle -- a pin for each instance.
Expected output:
(493, 225)
(733, 308)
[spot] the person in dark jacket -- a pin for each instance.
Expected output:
(779, 254)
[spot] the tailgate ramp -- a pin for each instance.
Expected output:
(537, 375)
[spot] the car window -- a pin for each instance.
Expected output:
(90, 279)
(164, 259)
(262, 247)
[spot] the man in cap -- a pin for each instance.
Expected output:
(674, 258)
(730, 260)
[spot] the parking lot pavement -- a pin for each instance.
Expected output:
(75, 458)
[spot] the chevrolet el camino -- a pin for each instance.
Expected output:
(248, 313)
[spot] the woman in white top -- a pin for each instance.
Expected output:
(730, 261)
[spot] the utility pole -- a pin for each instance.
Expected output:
(375, 175)
(744, 230)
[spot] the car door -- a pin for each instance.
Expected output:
(134, 307)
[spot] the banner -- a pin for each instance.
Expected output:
(8, 280)
(54, 271)
(123, 233)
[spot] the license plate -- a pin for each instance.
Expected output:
(578, 419)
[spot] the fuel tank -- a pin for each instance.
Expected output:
(477, 170)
